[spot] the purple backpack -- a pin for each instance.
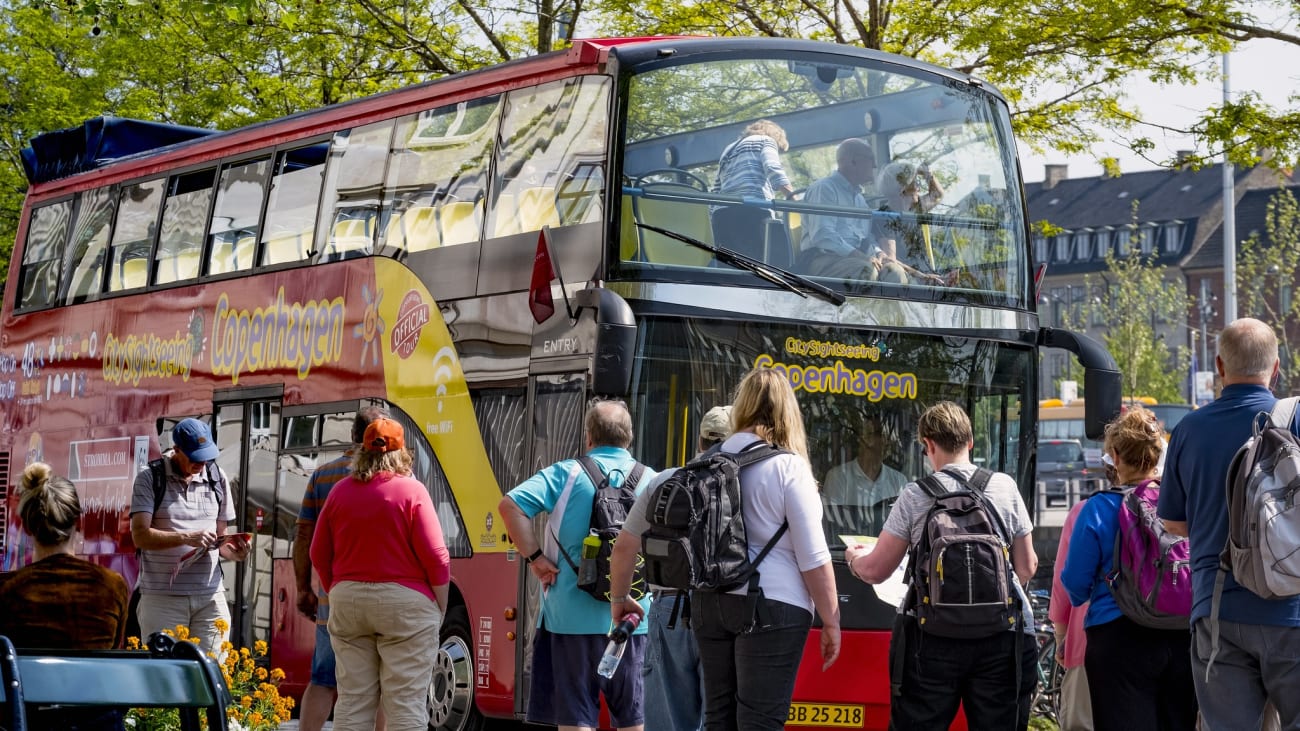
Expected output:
(1151, 578)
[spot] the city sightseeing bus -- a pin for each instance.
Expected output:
(483, 254)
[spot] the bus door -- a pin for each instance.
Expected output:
(557, 402)
(247, 428)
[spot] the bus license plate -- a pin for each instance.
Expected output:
(839, 715)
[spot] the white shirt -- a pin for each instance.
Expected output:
(777, 490)
(847, 484)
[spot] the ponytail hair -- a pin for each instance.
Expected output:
(49, 507)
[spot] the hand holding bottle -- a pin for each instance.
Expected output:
(618, 638)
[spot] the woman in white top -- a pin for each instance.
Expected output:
(750, 660)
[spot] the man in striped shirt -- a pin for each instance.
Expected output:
(195, 509)
(319, 697)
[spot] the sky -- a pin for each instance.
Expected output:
(1271, 68)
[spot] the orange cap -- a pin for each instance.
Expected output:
(384, 435)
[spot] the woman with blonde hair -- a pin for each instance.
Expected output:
(379, 551)
(1138, 677)
(59, 601)
(750, 647)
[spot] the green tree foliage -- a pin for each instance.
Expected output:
(1062, 66)
(1266, 276)
(1140, 296)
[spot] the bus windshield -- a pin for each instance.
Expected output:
(860, 392)
(940, 196)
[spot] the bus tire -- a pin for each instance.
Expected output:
(451, 693)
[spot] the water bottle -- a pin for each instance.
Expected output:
(587, 573)
(617, 643)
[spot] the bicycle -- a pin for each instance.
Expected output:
(1046, 700)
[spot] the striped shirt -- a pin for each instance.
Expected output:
(187, 505)
(751, 167)
(318, 489)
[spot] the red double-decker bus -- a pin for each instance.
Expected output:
(274, 278)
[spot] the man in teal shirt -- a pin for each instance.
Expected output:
(572, 627)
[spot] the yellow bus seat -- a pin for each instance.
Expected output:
(459, 221)
(794, 225)
(537, 209)
(629, 235)
(135, 273)
(350, 234)
(187, 264)
(417, 229)
(505, 216)
(244, 249)
(220, 260)
(282, 247)
(690, 219)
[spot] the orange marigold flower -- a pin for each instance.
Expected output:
(277, 674)
(260, 647)
(261, 673)
(221, 625)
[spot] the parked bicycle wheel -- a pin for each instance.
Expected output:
(1047, 694)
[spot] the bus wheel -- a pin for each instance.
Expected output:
(451, 694)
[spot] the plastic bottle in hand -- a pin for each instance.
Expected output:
(617, 644)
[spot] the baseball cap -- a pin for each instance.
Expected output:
(716, 424)
(384, 435)
(194, 439)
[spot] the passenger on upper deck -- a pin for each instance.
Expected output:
(899, 182)
(842, 246)
(750, 167)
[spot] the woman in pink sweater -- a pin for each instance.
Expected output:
(379, 551)
(1067, 621)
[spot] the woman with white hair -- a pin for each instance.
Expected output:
(899, 183)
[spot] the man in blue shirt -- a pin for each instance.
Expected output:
(571, 629)
(1259, 638)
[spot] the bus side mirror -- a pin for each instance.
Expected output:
(1102, 408)
(615, 346)
(1101, 377)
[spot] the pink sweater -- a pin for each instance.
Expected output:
(1059, 610)
(381, 531)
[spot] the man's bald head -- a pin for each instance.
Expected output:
(855, 160)
(1247, 352)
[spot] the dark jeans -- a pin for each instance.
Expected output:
(748, 676)
(1140, 677)
(940, 673)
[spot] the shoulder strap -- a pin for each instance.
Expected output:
(216, 479)
(634, 477)
(1283, 412)
(592, 468)
(756, 452)
(931, 486)
(159, 476)
(976, 484)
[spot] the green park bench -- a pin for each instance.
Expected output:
(170, 675)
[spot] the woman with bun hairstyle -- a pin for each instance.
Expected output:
(1138, 677)
(59, 601)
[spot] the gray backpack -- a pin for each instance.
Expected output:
(1263, 487)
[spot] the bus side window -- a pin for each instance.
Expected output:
(354, 178)
(180, 245)
(233, 233)
(133, 234)
(89, 248)
(550, 132)
(290, 222)
(47, 234)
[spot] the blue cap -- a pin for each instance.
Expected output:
(193, 437)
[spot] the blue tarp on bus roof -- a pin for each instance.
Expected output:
(97, 142)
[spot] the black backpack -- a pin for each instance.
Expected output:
(697, 540)
(961, 572)
(609, 509)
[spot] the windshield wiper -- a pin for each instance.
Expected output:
(783, 278)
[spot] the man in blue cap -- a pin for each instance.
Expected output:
(180, 509)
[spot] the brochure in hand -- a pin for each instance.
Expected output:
(190, 557)
(892, 590)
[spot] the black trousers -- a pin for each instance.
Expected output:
(1140, 678)
(748, 675)
(938, 674)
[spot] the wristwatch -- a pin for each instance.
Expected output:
(535, 555)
